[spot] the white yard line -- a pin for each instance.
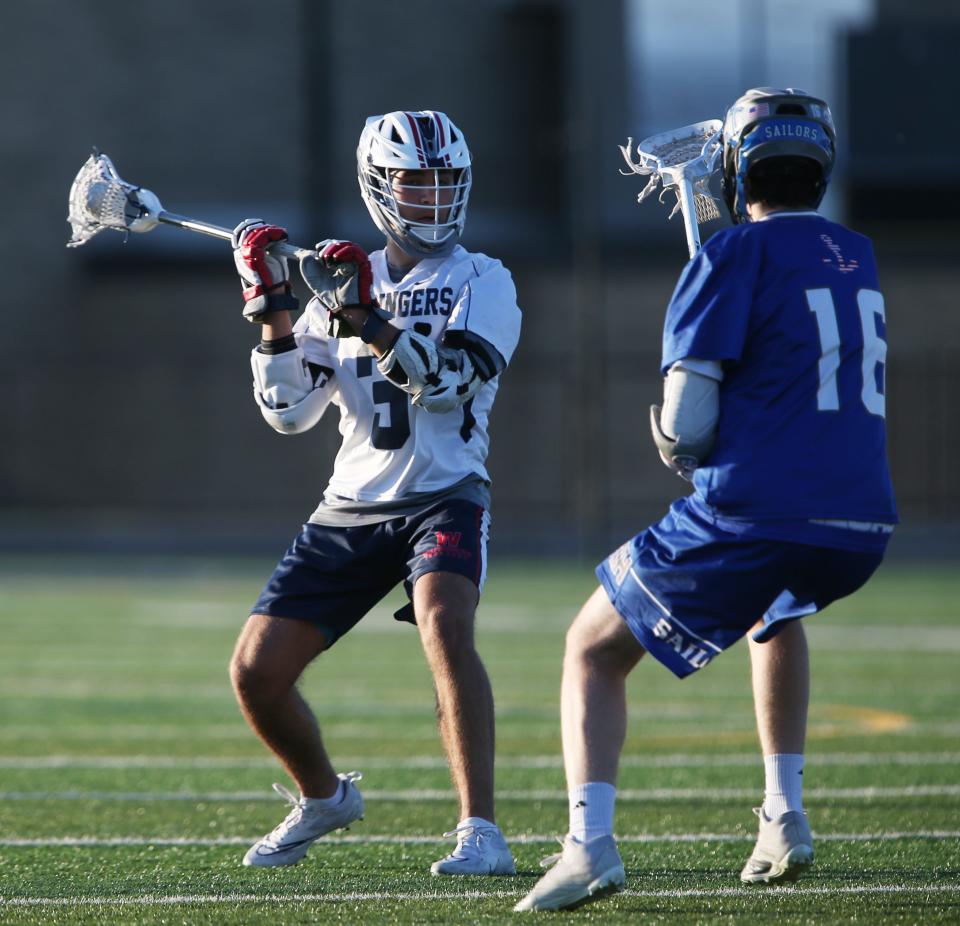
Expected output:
(95, 842)
(669, 760)
(425, 730)
(444, 794)
(154, 900)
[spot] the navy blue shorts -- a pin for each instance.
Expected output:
(332, 576)
(688, 590)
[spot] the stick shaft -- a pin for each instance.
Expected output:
(689, 209)
(283, 248)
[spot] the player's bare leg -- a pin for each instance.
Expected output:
(445, 606)
(781, 689)
(600, 654)
(270, 655)
(781, 694)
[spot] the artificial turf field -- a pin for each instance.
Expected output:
(130, 787)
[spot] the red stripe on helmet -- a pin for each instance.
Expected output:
(443, 138)
(416, 137)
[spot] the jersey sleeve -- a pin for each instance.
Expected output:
(486, 308)
(709, 311)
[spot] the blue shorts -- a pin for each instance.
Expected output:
(688, 590)
(332, 576)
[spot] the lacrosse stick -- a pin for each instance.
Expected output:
(684, 159)
(100, 199)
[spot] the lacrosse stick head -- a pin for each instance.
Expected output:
(100, 199)
(770, 123)
(682, 160)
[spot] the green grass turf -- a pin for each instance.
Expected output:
(119, 730)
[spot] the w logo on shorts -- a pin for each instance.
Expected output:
(448, 539)
(448, 544)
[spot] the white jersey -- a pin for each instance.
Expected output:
(391, 448)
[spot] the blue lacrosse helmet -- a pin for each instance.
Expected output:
(768, 123)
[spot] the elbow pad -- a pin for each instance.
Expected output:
(412, 363)
(685, 428)
(284, 389)
(458, 381)
(439, 379)
(295, 419)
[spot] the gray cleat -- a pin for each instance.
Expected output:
(783, 852)
(583, 872)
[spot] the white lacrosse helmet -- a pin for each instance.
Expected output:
(766, 123)
(424, 140)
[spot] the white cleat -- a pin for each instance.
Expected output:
(783, 852)
(288, 843)
(583, 872)
(481, 850)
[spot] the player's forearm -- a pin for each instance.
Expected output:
(277, 325)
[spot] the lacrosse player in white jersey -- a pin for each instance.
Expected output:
(408, 344)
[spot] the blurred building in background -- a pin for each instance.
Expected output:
(126, 409)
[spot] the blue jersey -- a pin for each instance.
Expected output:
(791, 308)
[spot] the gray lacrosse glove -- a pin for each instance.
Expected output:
(340, 276)
(260, 270)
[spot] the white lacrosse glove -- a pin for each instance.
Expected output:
(261, 271)
(340, 276)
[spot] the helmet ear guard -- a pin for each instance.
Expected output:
(769, 123)
(415, 141)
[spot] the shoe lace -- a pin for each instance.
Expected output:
(298, 806)
(292, 818)
(549, 860)
(469, 833)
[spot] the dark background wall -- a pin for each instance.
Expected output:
(126, 412)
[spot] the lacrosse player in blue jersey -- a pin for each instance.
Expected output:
(773, 357)
(408, 344)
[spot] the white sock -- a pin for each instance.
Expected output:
(322, 803)
(591, 810)
(784, 784)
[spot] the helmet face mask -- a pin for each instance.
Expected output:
(414, 174)
(770, 123)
